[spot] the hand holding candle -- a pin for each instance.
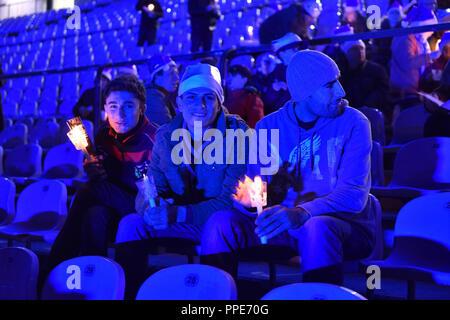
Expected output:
(146, 186)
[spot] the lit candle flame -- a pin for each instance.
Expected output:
(78, 136)
(151, 7)
(254, 194)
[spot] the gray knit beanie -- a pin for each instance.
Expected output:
(307, 71)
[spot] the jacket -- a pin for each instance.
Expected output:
(247, 104)
(333, 175)
(202, 188)
(122, 153)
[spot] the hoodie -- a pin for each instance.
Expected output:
(333, 176)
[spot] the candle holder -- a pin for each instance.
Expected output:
(79, 137)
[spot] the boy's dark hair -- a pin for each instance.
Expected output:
(240, 69)
(126, 82)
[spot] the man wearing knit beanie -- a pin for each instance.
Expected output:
(201, 209)
(318, 199)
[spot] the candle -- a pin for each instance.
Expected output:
(146, 185)
(258, 197)
(254, 194)
(79, 137)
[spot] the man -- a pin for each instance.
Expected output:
(85, 106)
(243, 99)
(296, 18)
(365, 82)
(200, 187)
(410, 56)
(162, 83)
(204, 15)
(321, 201)
(151, 12)
(123, 143)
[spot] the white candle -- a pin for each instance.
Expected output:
(258, 198)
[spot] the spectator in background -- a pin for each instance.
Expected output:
(2, 118)
(243, 99)
(296, 19)
(204, 15)
(382, 46)
(163, 81)
(84, 108)
(410, 56)
(127, 70)
(335, 52)
(365, 82)
(438, 123)
(266, 64)
(273, 87)
(353, 17)
(124, 142)
(430, 78)
(151, 12)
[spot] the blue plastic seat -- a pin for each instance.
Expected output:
(85, 278)
(376, 119)
(420, 167)
(421, 249)
(7, 200)
(63, 162)
(188, 282)
(312, 291)
(19, 268)
(14, 136)
(41, 207)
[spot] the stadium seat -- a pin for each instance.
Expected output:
(14, 136)
(408, 126)
(377, 165)
(7, 200)
(188, 282)
(421, 167)
(85, 278)
(19, 268)
(45, 133)
(41, 206)
(376, 119)
(312, 291)
(421, 249)
(24, 161)
(63, 162)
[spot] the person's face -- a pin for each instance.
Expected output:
(326, 101)
(199, 104)
(355, 56)
(123, 110)
(350, 15)
(286, 55)
(235, 81)
(169, 79)
(267, 65)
